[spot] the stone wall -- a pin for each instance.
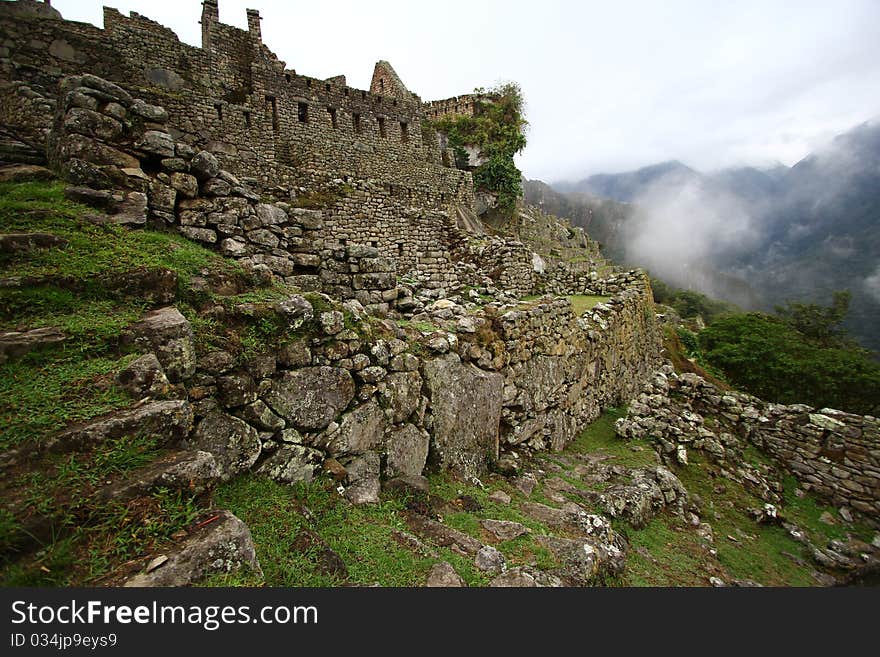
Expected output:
(112, 145)
(507, 262)
(562, 278)
(465, 105)
(287, 135)
(834, 454)
(563, 370)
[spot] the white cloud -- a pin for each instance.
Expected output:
(872, 284)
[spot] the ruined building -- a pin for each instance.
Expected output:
(266, 123)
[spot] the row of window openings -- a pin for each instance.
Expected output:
(302, 112)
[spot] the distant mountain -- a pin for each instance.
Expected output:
(750, 183)
(628, 186)
(602, 218)
(822, 233)
(795, 233)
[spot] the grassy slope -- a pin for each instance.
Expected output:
(667, 552)
(75, 380)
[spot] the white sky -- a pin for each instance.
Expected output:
(610, 85)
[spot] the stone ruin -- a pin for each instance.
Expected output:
(346, 192)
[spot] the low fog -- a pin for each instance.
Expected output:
(761, 238)
(682, 230)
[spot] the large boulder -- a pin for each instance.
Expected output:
(363, 475)
(443, 575)
(584, 561)
(312, 397)
(402, 391)
(361, 430)
(144, 377)
(169, 335)
(204, 165)
(292, 463)
(465, 414)
(233, 442)
(407, 451)
(223, 545)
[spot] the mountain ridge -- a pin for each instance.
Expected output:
(808, 230)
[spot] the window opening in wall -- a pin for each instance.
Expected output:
(332, 112)
(247, 119)
(326, 87)
(219, 109)
(404, 132)
(302, 112)
(356, 122)
(272, 105)
(345, 91)
(394, 102)
(364, 95)
(287, 76)
(381, 85)
(382, 132)
(400, 248)
(309, 84)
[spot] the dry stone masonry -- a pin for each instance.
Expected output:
(831, 453)
(408, 344)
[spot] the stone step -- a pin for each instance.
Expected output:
(16, 152)
(169, 421)
(192, 472)
(185, 470)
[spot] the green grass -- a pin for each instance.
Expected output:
(41, 395)
(72, 381)
(757, 552)
(360, 535)
(581, 303)
(88, 541)
(601, 438)
(90, 549)
(423, 327)
(663, 553)
(93, 250)
(805, 512)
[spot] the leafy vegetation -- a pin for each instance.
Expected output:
(689, 303)
(497, 130)
(769, 357)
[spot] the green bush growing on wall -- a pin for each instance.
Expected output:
(497, 129)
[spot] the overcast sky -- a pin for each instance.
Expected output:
(610, 86)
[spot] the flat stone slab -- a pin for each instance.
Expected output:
(192, 471)
(23, 242)
(168, 421)
(504, 530)
(441, 535)
(223, 545)
(15, 344)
